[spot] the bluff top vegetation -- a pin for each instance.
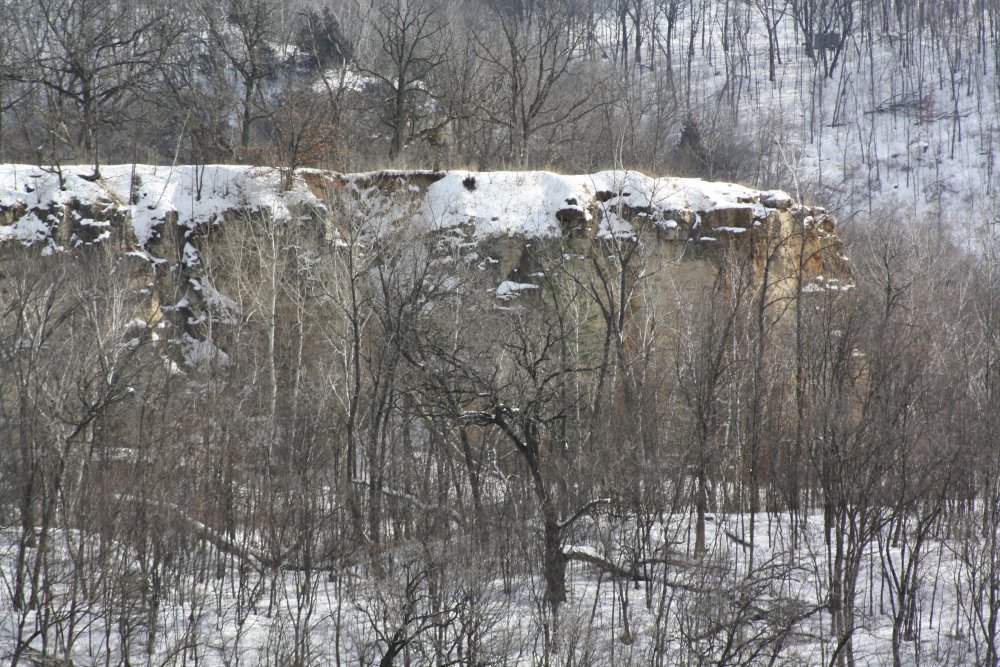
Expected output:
(258, 414)
(865, 106)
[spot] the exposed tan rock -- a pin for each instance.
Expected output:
(171, 220)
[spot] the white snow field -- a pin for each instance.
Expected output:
(732, 605)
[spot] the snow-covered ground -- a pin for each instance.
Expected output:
(906, 123)
(454, 601)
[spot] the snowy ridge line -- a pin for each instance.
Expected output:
(146, 196)
(62, 209)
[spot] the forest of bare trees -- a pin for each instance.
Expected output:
(375, 457)
(381, 460)
(731, 89)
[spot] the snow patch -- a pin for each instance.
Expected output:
(509, 289)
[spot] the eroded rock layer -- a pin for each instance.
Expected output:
(168, 223)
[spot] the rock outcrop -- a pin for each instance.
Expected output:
(167, 220)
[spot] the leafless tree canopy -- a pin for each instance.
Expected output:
(366, 454)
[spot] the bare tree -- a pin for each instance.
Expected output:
(771, 12)
(531, 58)
(826, 27)
(72, 352)
(91, 58)
(242, 32)
(411, 41)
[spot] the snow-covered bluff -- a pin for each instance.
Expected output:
(165, 219)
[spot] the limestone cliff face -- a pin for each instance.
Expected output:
(693, 233)
(170, 223)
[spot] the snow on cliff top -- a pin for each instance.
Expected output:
(496, 203)
(526, 203)
(197, 194)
